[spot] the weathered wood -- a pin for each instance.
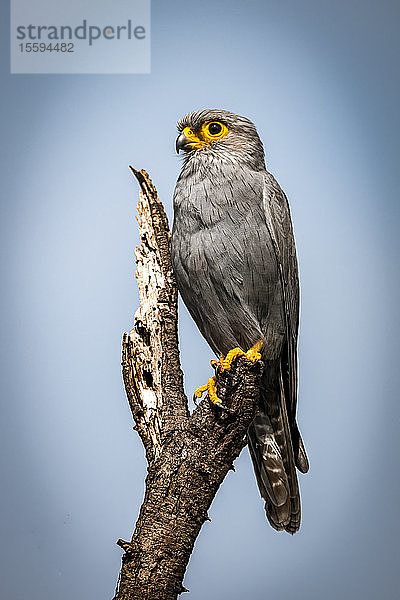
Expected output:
(188, 455)
(151, 368)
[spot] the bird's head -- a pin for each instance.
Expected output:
(212, 134)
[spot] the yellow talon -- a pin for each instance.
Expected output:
(209, 387)
(200, 390)
(253, 354)
(225, 363)
(212, 390)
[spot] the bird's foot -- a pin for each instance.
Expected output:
(225, 363)
(211, 389)
(253, 354)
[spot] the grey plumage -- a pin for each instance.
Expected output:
(234, 258)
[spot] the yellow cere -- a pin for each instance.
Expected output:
(195, 141)
(210, 131)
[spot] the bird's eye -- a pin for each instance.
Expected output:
(215, 128)
(212, 131)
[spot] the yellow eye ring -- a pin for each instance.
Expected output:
(214, 130)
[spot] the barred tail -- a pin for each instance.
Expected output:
(271, 449)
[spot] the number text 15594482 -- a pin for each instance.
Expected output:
(42, 47)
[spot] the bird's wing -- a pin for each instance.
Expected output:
(279, 223)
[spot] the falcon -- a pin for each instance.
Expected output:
(234, 258)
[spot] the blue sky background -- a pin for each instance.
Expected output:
(320, 80)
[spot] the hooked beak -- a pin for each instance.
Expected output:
(182, 143)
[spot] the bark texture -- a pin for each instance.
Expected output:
(188, 454)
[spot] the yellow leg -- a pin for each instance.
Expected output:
(254, 353)
(225, 363)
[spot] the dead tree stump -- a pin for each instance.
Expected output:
(188, 454)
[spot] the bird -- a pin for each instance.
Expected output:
(234, 258)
